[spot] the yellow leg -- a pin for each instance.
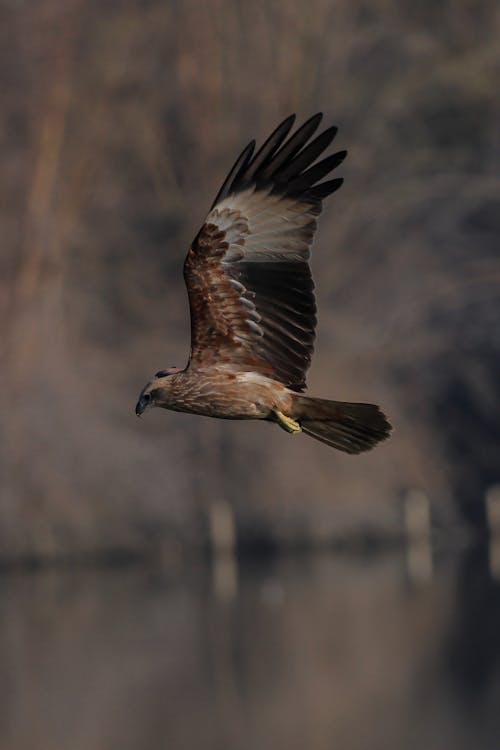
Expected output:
(287, 423)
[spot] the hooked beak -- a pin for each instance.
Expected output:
(142, 405)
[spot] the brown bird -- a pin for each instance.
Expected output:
(251, 299)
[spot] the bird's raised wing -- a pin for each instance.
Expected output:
(249, 283)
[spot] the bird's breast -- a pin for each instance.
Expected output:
(227, 395)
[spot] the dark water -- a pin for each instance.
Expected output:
(322, 652)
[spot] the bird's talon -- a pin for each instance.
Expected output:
(287, 423)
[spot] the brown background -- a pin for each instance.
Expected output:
(118, 121)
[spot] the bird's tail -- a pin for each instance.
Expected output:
(352, 428)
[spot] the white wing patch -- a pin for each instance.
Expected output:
(264, 228)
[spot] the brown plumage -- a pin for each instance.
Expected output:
(251, 298)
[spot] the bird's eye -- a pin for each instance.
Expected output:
(147, 397)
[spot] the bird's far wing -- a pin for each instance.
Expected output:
(249, 283)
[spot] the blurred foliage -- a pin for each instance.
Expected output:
(118, 122)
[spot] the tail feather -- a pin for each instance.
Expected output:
(352, 428)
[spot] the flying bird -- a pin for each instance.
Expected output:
(251, 298)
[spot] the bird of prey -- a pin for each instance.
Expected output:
(251, 299)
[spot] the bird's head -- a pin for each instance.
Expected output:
(153, 391)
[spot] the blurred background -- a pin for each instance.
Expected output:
(118, 123)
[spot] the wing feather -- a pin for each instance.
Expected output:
(305, 157)
(265, 153)
(292, 146)
(250, 288)
(234, 175)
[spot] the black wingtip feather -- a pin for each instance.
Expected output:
(310, 177)
(306, 156)
(291, 148)
(286, 166)
(324, 189)
(240, 165)
(267, 151)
